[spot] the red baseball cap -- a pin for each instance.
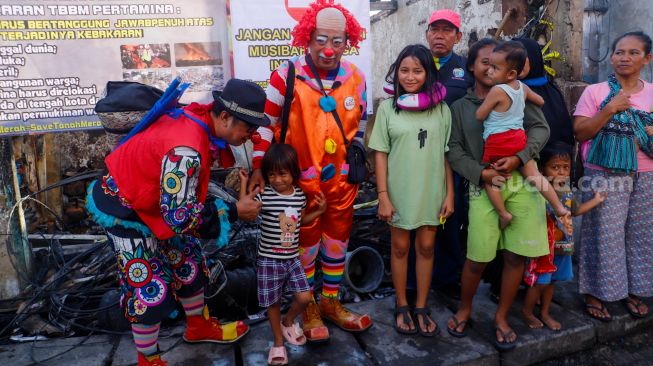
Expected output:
(445, 14)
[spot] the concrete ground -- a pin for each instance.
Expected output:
(584, 341)
(633, 350)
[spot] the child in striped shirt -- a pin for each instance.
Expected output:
(278, 266)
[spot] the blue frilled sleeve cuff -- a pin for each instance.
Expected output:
(225, 224)
(217, 217)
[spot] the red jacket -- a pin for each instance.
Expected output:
(136, 165)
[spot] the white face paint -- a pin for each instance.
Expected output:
(336, 42)
(326, 48)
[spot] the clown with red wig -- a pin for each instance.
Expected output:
(324, 82)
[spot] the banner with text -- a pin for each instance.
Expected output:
(57, 55)
(260, 37)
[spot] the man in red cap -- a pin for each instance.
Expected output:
(153, 204)
(442, 34)
(324, 84)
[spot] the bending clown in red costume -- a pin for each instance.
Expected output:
(153, 204)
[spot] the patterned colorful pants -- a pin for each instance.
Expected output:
(616, 246)
(154, 272)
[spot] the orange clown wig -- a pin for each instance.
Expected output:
(302, 32)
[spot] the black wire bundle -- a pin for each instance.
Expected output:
(64, 297)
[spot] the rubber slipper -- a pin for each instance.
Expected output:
(601, 308)
(293, 334)
(406, 319)
(454, 332)
(505, 345)
(278, 356)
(636, 303)
(426, 318)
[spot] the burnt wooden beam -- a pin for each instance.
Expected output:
(14, 246)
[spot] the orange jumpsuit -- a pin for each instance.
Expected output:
(308, 129)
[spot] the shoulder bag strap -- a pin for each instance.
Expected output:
(319, 83)
(290, 86)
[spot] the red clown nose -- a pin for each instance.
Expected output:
(255, 137)
(328, 52)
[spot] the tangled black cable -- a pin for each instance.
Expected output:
(49, 292)
(99, 262)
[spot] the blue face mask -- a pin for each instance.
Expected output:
(542, 80)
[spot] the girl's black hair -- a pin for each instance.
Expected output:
(556, 149)
(278, 157)
(424, 56)
(475, 48)
(643, 37)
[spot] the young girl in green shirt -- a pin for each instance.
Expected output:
(414, 180)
